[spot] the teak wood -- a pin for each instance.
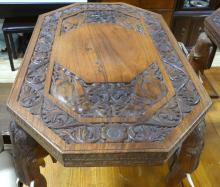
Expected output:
(107, 84)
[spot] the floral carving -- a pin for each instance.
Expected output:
(73, 131)
(109, 99)
(103, 16)
(216, 20)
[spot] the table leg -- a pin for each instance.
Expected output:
(9, 51)
(202, 54)
(28, 157)
(186, 159)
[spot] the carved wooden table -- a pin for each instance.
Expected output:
(106, 84)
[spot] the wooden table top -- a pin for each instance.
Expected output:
(106, 84)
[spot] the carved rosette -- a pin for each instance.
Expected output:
(154, 129)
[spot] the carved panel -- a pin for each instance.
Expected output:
(109, 100)
(72, 131)
(103, 16)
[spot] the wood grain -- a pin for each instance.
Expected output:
(211, 91)
(93, 52)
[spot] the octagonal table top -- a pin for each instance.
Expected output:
(106, 84)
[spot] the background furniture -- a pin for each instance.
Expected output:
(8, 9)
(203, 52)
(12, 26)
(103, 112)
(30, 8)
(212, 29)
(163, 7)
(188, 19)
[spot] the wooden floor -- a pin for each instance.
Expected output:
(207, 174)
(4, 115)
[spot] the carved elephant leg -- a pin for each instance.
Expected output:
(202, 54)
(186, 159)
(28, 157)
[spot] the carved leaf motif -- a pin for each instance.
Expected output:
(114, 133)
(171, 114)
(103, 16)
(109, 99)
(31, 99)
(177, 75)
(53, 116)
(188, 97)
(142, 132)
